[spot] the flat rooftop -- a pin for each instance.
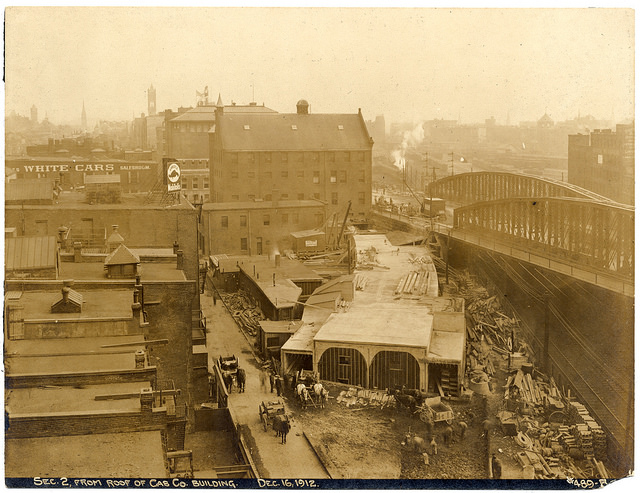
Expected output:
(386, 324)
(102, 303)
(69, 346)
(70, 363)
(105, 455)
(77, 200)
(149, 271)
(72, 400)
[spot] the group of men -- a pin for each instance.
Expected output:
(275, 382)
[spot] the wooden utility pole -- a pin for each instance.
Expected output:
(545, 351)
(451, 163)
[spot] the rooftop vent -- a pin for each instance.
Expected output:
(303, 107)
(71, 301)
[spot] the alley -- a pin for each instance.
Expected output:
(295, 459)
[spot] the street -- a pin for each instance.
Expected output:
(296, 458)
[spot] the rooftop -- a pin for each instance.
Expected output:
(30, 253)
(18, 191)
(292, 131)
(261, 204)
(206, 113)
(106, 455)
(102, 303)
(53, 399)
(149, 271)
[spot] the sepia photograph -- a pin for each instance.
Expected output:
(307, 247)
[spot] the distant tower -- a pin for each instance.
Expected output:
(151, 99)
(84, 117)
(34, 114)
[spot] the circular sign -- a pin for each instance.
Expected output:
(173, 172)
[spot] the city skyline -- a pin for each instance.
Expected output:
(408, 64)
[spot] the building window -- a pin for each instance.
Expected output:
(266, 220)
(225, 221)
(267, 157)
(284, 196)
(347, 157)
(205, 183)
(273, 342)
(195, 198)
(319, 219)
(316, 177)
(316, 196)
(361, 198)
(195, 182)
(234, 174)
(267, 197)
(344, 359)
(243, 221)
(235, 197)
(206, 197)
(285, 218)
(284, 174)
(295, 217)
(600, 159)
(343, 176)
(334, 198)
(334, 176)
(300, 196)
(285, 157)
(361, 175)
(300, 173)
(243, 244)
(331, 156)
(252, 196)
(251, 174)
(233, 157)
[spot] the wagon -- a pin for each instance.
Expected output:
(307, 377)
(433, 410)
(268, 410)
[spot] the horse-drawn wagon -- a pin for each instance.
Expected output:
(434, 410)
(307, 377)
(268, 410)
(229, 368)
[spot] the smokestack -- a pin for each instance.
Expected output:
(277, 260)
(176, 246)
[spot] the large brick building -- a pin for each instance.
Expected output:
(291, 156)
(604, 162)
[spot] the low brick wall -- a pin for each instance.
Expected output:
(20, 381)
(79, 423)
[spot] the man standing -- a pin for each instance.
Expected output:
(272, 381)
(434, 446)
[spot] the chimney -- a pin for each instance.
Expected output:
(140, 356)
(274, 278)
(77, 251)
(65, 294)
(62, 237)
(180, 255)
(146, 400)
(277, 260)
(176, 246)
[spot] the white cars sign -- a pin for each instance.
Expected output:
(173, 177)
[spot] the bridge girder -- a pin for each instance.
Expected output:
(595, 234)
(467, 188)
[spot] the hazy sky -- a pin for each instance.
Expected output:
(408, 64)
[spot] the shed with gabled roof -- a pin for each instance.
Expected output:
(122, 263)
(31, 257)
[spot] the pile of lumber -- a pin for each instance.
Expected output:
(415, 282)
(244, 311)
(360, 282)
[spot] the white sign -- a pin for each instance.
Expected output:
(311, 243)
(173, 177)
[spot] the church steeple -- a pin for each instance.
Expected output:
(84, 117)
(219, 103)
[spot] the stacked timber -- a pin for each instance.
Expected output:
(244, 311)
(413, 283)
(360, 282)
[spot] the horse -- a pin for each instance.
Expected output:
(282, 426)
(228, 381)
(403, 400)
(321, 394)
(303, 395)
(241, 378)
(416, 394)
(415, 443)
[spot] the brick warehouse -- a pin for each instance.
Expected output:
(298, 156)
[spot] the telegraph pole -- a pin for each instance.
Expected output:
(451, 163)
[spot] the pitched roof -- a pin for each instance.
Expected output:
(23, 190)
(30, 252)
(121, 256)
(279, 131)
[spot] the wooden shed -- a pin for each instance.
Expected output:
(28, 257)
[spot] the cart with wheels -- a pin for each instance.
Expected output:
(268, 410)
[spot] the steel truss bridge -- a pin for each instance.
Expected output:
(553, 224)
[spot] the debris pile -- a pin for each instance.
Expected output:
(244, 310)
(365, 398)
(360, 282)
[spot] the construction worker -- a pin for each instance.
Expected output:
(496, 467)
(434, 446)
(279, 385)
(272, 381)
(447, 435)
(462, 428)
